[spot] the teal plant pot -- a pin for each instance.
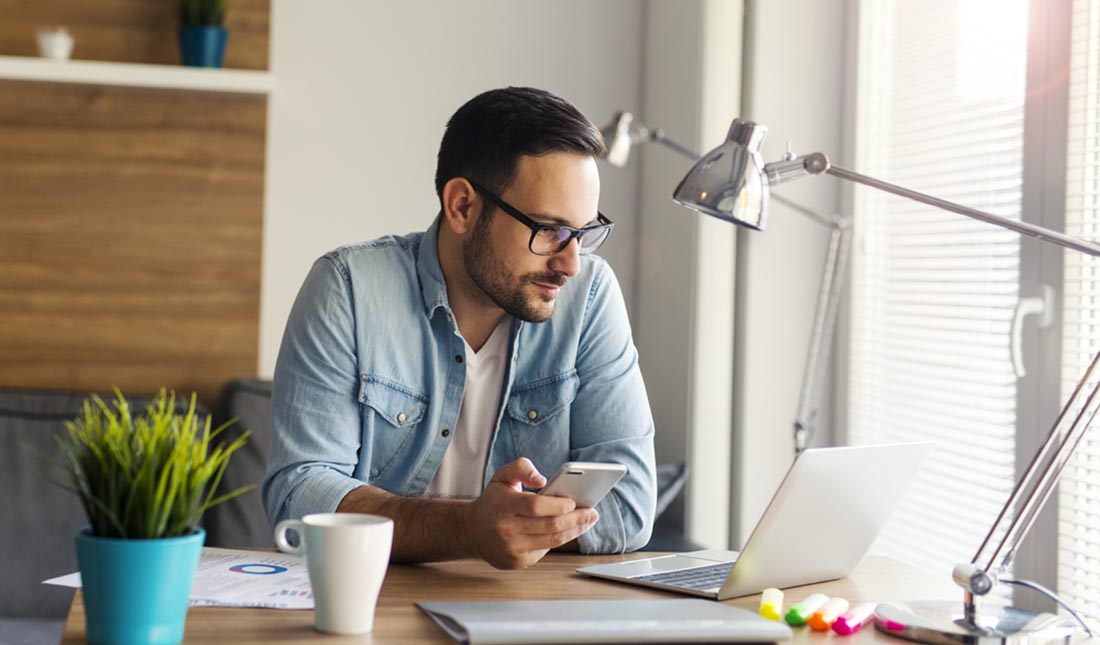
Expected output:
(136, 591)
(203, 46)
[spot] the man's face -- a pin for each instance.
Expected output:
(557, 188)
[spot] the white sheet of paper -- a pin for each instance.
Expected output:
(239, 578)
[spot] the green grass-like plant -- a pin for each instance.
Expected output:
(145, 475)
(202, 13)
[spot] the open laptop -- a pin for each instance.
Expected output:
(827, 512)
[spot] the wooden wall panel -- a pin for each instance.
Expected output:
(130, 237)
(133, 31)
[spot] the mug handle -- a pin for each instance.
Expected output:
(280, 536)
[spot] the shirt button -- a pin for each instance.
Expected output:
(446, 431)
(458, 358)
(401, 417)
(533, 414)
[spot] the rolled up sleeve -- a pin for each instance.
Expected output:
(612, 421)
(316, 423)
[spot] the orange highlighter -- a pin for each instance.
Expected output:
(823, 618)
(849, 622)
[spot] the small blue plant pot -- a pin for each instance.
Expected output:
(136, 591)
(203, 46)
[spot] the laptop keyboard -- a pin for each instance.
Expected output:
(698, 578)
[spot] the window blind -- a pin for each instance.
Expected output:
(1079, 492)
(940, 108)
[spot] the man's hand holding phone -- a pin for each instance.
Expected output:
(513, 529)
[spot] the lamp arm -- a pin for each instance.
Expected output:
(658, 135)
(828, 304)
(817, 163)
(835, 222)
(1045, 234)
(1039, 480)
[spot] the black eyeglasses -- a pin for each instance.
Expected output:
(548, 239)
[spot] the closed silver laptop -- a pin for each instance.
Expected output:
(826, 514)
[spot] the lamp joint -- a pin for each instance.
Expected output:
(973, 579)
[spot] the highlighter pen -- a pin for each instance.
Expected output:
(771, 604)
(823, 618)
(800, 612)
(849, 622)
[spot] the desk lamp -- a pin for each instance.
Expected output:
(732, 182)
(625, 131)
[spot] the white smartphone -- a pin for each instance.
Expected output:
(584, 482)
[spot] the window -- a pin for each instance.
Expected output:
(1079, 493)
(940, 109)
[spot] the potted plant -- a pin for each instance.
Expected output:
(202, 33)
(144, 478)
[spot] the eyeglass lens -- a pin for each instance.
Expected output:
(552, 240)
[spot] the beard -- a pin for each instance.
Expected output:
(490, 273)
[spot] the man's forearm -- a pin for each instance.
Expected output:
(424, 529)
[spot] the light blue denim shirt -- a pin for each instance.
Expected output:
(371, 372)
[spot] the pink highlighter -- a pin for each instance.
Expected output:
(850, 621)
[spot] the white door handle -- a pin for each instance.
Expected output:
(1042, 306)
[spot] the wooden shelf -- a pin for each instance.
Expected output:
(172, 77)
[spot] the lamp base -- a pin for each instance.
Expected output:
(942, 622)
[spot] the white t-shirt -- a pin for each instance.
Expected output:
(462, 471)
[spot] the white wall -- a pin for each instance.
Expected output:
(364, 90)
(794, 84)
(686, 263)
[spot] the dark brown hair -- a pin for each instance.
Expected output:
(486, 137)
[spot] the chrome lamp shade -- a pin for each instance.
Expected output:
(618, 140)
(729, 182)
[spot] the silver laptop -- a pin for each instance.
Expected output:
(827, 512)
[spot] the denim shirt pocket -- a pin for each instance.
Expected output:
(540, 419)
(397, 409)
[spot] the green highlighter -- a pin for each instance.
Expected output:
(800, 612)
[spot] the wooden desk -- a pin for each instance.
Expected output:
(398, 621)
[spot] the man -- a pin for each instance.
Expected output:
(432, 378)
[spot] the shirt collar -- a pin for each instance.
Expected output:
(433, 289)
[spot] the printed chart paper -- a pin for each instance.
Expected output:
(239, 578)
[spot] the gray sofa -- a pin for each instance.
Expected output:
(241, 521)
(37, 518)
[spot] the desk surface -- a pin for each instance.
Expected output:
(398, 621)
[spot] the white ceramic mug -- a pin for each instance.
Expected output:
(346, 555)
